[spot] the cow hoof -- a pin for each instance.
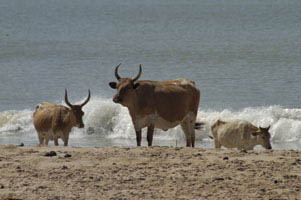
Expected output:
(50, 154)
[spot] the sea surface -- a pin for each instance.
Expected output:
(244, 56)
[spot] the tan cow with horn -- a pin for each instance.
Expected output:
(158, 104)
(53, 121)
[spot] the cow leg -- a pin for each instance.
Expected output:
(217, 144)
(192, 129)
(41, 139)
(150, 133)
(138, 137)
(192, 132)
(192, 138)
(46, 141)
(66, 143)
(243, 147)
(185, 128)
(56, 141)
(188, 128)
(56, 136)
(65, 139)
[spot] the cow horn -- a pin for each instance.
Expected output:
(116, 72)
(87, 100)
(139, 74)
(66, 99)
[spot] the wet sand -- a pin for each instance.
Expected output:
(148, 173)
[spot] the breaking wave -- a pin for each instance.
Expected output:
(105, 119)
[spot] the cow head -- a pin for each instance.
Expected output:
(263, 137)
(77, 110)
(125, 87)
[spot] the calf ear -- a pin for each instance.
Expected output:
(136, 85)
(265, 129)
(254, 133)
(113, 85)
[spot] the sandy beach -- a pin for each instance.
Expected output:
(148, 173)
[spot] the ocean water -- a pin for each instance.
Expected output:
(244, 56)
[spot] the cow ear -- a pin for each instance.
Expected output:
(113, 85)
(136, 85)
(254, 133)
(265, 129)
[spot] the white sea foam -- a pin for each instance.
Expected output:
(105, 119)
(14, 122)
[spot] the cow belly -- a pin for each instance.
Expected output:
(232, 139)
(157, 121)
(228, 142)
(165, 125)
(227, 138)
(50, 135)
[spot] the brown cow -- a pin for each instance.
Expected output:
(53, 121)
(155, 104)
(240, 134)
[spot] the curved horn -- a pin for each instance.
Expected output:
(116, 72)
(66, 99)
(139, 74)
(87, 100)
(267, 128)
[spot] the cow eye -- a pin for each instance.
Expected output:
(122, 91)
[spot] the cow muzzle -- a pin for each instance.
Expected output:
(117, 99)
(80, 125)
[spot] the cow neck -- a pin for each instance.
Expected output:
(70, 119)
(133, 106)
(253, 141)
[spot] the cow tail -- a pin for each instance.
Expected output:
(38, 106)
(199, 125)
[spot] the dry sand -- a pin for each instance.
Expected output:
(148, 173)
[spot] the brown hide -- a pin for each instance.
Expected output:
(49, 116)
(169, 99)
